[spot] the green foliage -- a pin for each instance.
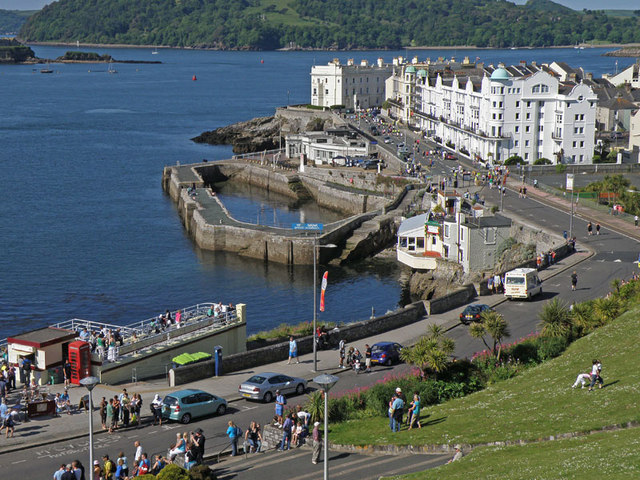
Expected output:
(259, 24)
(491, 324)
(514, 160)
(12, 51)
(431, 353)
(550, 347)
(146, 476)
(202, 472)
(173, 472)
(507, 244)
(561, 168)
(542, 161)
(315, 406)
(12, 20)
(555, 319)
(85, 56)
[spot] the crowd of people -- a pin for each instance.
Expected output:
(397, 406)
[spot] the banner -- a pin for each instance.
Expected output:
(323, 287)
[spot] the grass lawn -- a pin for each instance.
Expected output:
(537, 404)
(609, 455)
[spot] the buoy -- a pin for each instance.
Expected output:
(194, 78)
(261, 61)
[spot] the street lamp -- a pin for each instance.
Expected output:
(316, 247)
(90, 383)
(327, 382)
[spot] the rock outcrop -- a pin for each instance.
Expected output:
(624, 52)
(254, 135)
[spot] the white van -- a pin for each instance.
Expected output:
(522, 283)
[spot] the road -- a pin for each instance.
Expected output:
(614, 254)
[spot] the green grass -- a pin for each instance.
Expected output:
(535, 405)
(609, 455)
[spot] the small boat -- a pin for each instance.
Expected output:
(155, 51)
(46, 69)
(111, 68)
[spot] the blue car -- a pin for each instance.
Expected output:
(385, 353)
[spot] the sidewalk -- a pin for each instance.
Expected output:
(46, 430)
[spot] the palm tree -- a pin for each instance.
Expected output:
(555, 319)
(606, 309)
(582, 319)
(495, 326)
(431, 352)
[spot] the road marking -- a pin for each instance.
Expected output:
(19, 461)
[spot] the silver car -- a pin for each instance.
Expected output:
(263, 386)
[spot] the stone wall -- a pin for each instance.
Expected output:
(352, 332)
(450, 301)
(192, 373)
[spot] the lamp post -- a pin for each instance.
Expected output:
(316, 247)
(90, 383)
(327, 382)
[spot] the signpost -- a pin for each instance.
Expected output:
(314, 227)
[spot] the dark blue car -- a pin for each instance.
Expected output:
(385, 353)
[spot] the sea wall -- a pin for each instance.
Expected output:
(451, 300)
(350, 333)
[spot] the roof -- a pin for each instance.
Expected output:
(618, 103)
(488, 221)
(410, 69)
(422, 72)
(43, 337)
(413, 223)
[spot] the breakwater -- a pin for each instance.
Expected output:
(212, 227)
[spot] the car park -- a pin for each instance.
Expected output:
(473, 313)
(263, 386)
(185, 405)
(385, 353)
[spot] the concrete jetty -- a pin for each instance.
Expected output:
(353, 192)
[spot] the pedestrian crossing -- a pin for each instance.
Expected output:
(296, 465)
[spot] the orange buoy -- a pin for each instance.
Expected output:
(194, 78)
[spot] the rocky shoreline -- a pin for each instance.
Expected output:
(624, 52)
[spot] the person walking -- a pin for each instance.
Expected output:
(317, 443)
(635, 220)
(589, 229)
(574, 280)
(597, 229)
(293, 351)
(281, 401)
(596, 370)
(342, 347)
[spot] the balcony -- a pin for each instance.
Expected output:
(418, 260)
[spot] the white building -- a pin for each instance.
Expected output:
(353, 86)
(629, 76)
(495, 113)
(323, 147)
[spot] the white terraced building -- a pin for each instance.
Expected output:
(495, 113)
(355, 86)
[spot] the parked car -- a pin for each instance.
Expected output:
(387, 139)
(450, 156)
(184, 405)
(385, 353)
(370, 165)
(263, 386)
(473, 313)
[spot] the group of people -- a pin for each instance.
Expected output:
(592, 377)
(105, 343)
(397, 406)
(120, 410)
(590, 229)
(352, 358)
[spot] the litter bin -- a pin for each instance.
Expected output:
(217, 355)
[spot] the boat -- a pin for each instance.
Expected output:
(155, 51)
(111, 68)
(46, 69)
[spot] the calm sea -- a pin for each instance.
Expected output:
(85, 228)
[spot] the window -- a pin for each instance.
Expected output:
(517, 116)
(527, 129)
(315, 91)
(579, 116)
(528, 116)
(495, 104)
(581, 144)
(559, 118)
(526, 156)
(490, 236)
(535, 89)
(518, 104)
(420, 243)
(500, 104)
(581, 158)
(540, 142)
(541, 128)
(434, 240)
(528, 104)
(578, 130)
(526, 143)
(517, 129)
(326, 91)
(575, 144)
(461, 234)
(516, 143)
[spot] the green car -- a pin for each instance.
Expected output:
(185, 405)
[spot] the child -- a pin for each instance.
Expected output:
(582, 378)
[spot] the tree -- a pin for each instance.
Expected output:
(555, 319)
(431, 353)
(494, 325)
(514, 160)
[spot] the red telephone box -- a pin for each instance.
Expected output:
(80, 360)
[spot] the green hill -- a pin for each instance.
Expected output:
(12, 20)
(270, 24)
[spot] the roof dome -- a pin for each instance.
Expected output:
(500, 74)
(422, 72)
(410, 69)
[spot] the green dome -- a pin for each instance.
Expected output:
(500, 74)
(422, 72)
(410, 69)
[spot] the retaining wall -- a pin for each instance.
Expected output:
(451, 300)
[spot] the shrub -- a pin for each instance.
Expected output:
(542, 161)
(146, 476)
(202, 472)
(173, 472)
(525, 352)
(561, 168)
(550, 347)
(514, 160)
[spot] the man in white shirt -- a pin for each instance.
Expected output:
(138, 455)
